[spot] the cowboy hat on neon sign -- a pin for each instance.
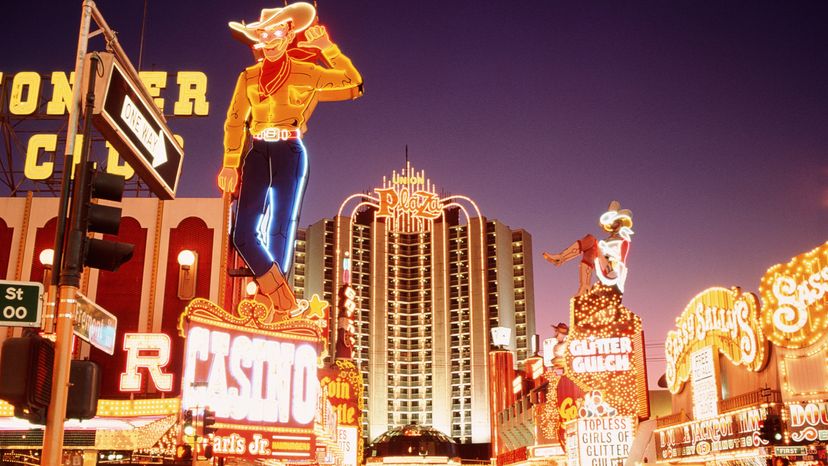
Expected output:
(277, 28)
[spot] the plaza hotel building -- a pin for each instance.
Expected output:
(432, 276)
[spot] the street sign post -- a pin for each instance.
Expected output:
(94, 324)
(21, 304)
(136, 128)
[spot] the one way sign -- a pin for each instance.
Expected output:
(135, 127)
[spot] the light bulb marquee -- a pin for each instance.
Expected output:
(795, 300)
(260, 378)
(731, 432)
(343, 382)
(725, 319)
(605, 351)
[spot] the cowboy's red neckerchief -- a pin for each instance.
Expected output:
(275, 73)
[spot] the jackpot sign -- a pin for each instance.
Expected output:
(728, 432)
(259, 378)
(795, 298)
(724, 319)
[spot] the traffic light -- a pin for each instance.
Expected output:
(770, 429)
(26, 371)
(187, 423)
(84, 390)
(207, 422)
(184, 452)
(99, 218)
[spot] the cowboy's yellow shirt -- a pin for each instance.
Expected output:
(290, 106)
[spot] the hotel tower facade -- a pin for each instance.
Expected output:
(431, 276)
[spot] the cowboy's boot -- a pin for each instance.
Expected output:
(273, 285)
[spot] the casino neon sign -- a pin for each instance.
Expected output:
(726, 319)
(795, 299)
(260, 379)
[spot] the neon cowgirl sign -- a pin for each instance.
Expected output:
(260, 378)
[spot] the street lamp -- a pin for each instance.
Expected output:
(187, 273)
(47, 259)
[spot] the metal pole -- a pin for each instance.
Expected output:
(70, 276)
(123, 59)
(71, 132)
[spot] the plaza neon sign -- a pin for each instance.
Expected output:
(409, 201)
(259, 378)
(795, 298)
(725, 319)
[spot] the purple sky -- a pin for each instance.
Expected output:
(709, 120)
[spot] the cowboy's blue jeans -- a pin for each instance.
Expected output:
(273, 179)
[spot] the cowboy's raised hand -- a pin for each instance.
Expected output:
(317, 37)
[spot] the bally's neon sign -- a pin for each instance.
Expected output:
(259, 379)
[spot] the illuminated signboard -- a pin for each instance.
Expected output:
(501, 336)
(150, 351)
(343, 382)
(705, 384)
(409, 201)
(728, 432)
(601, 354)
(260, 379)
(600, 440)
(44, 96)
(727, 320)
(562, 407)
(795, 300)
(605, 350)
(808, 422)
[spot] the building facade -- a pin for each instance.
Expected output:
(431, 275)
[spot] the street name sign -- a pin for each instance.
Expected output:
(135, 127)
(20, 304)
(94, 324)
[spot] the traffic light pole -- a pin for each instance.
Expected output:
(70, 273)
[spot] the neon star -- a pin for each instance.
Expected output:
(317, 308)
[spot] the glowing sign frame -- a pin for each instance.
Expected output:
(730, 431)
(292, 439)
(795, 299)
(726, 319)
(599, 314)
